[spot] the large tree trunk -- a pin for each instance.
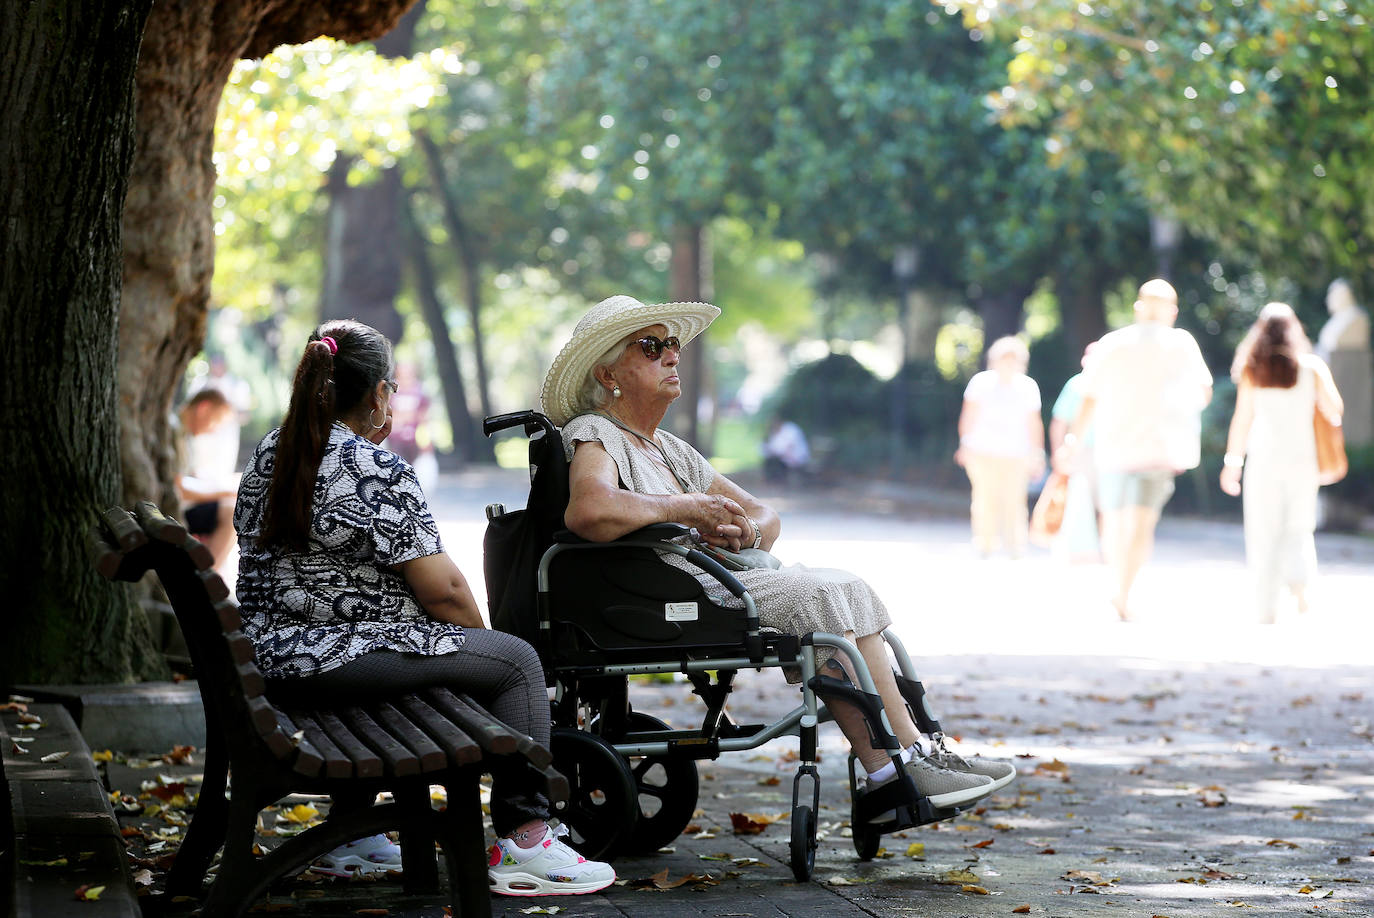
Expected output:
(466, 248)
(465, 440)
(689, 277)
(188, 50)
(66, 143)
(362, 261)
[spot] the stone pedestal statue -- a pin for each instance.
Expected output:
(1344, 344)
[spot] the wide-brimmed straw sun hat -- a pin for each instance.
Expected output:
(603, 325)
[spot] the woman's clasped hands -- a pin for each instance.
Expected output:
(719, 520)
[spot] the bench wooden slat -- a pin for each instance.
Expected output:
(366, 763)
(461, 748)
(228, 614)
(264, 718)
(557, 784)
(251, 677)
(309, 760)
(425, 750)
(127, 534)
(336, 763)
(106, 557)
(492, 735)
(399, 760)
(215, 586)
(240, 648)
(159, 525)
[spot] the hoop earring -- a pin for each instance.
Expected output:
(615, 393)
(376, 426)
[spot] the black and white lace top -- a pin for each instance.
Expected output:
(313, 611)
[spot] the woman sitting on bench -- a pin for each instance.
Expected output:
(609, 389)
(346, 590)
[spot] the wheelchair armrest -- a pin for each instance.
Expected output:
(658, 532)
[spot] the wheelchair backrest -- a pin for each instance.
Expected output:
(515, 541)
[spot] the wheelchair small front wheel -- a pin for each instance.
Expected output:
(602, 809)
(803, 842)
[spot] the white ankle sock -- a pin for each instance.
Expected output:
(882, 774)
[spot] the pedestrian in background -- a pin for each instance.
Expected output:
(1143, 394)
(1279, 383)
(1077, 540)
(785, 452)
(1001, 447)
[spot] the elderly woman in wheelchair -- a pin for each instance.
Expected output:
(609, 389)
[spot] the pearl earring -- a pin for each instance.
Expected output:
(615, 393)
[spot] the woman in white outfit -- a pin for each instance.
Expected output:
(1279, 383)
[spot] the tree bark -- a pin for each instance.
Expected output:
(362, 259)
(90, 372)
(189, 48)
(468, 256)
(66, 143)
(465, 440)
(689, 282)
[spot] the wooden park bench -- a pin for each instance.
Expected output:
(401, 745)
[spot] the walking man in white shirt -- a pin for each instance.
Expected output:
(1144, 392)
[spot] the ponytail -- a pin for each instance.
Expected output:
(343, 362)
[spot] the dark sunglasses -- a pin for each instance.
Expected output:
(654, 348)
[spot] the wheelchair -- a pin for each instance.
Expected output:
(600, 612)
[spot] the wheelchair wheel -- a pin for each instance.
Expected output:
(803, 842)
(601, 809)
(666, 791)
(866, 838)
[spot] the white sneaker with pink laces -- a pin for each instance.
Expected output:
(549, 868)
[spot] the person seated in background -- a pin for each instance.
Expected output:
(785, 452)
(609, 388)
(208, 484)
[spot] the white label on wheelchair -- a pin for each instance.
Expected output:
(680, 611)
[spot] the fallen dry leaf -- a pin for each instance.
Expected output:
(180, 755)
(1280, 843)
(88, 893)
(986, 843)
(1021, 910)
(974, 888)
(751, 823)
(958, 877)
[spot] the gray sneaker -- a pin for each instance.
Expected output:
(941, 786)
(999, 771)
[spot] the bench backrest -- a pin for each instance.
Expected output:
(125, 547)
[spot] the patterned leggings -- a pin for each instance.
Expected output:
(499, 671)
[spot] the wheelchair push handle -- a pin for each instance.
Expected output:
(532, 421)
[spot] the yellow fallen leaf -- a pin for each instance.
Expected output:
(89, 893)
(916, 849)
(958, 877)
(973, 888)
(1305, 890)
(103, 755)
(300, 813)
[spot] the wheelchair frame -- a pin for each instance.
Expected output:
(608, 751)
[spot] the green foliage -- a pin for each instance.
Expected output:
(282, 122)
(1249, 121)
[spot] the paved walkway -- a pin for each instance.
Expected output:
(1193, 764)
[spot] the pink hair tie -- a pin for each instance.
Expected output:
(331, 344)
